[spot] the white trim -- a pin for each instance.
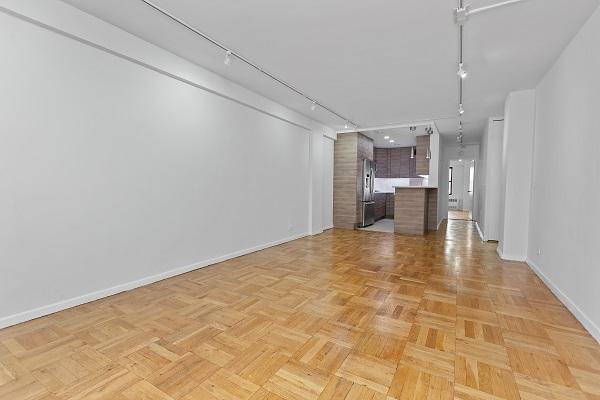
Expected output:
(440, 223)
(509, 257)
(328, 227)
(480, 233)
(588, 324)
(89, 297)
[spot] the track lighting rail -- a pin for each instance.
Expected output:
(230, 53)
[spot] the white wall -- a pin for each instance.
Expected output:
(116, 172)
(565, 212)
(488, 173)
(517, 147)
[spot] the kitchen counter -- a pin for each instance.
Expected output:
(415, 187)
(415, 209)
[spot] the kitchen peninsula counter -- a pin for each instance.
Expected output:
(415, 209)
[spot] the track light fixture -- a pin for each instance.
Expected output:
(413, 152)
(462, 72)
(313, 106)
(227, 60)
(230, 55)
(461, 109)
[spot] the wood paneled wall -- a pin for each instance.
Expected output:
(432, 215)
(422, 161)
(349, 151)
(415, 210)
(344, 180)
(410, 211)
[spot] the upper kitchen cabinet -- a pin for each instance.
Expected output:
(400, 162)
(382, 160)
(422, 164)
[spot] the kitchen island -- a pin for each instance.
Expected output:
(415, 209)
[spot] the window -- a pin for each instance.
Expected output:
(450, 181)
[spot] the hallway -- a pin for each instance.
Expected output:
(345, 314)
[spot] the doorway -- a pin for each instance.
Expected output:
(461, 186)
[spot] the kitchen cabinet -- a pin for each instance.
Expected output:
(422, 166)
(389, 206)
(380, 205)
(382, 159)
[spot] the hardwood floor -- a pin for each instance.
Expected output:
(343, 315)
(460, 214)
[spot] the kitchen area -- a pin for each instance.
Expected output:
(386, 180)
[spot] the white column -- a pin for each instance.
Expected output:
(517, 151)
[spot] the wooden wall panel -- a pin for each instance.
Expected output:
(410, 211)
(422, 162)
(432, 215)
(344, 180)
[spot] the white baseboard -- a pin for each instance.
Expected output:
(328, 227)
(86, 298)
(588, 324)
(509, 257)
(479, 230)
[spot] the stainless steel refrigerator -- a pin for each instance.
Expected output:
(368, 193)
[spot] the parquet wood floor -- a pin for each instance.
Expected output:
(342, 315)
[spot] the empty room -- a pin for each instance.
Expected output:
(283, 200)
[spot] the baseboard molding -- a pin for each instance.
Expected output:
(89, 297)
(328, 227)
(509, 257)
(479, 230)
(588, 324)
(440, 223)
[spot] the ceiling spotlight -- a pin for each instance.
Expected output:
(413, 128)
(392, 140)
(413, 152)
(227, 60)
(462, 72)
(386, 137)
(313, 106)
(461, 110)
(346, 125)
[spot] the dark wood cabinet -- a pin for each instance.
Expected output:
(389, 206)
(380, 205)
(382, 159)
(395, 163)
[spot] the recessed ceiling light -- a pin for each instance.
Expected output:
(346, 125)
(313, 106)
(391, 140)
(386, 137)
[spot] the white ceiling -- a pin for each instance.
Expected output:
(376, 62)
(402, 137)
